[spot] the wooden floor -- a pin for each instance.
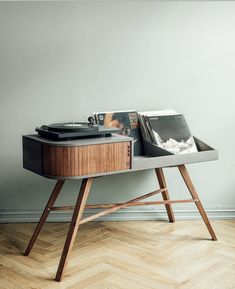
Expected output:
(121, 255)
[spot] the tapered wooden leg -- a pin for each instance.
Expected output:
(45, 214)
(165, 194)
(73, 228)
(193, 192)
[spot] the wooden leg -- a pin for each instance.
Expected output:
(73, 228)
(45, 214)
(193, 192)
(165, 194)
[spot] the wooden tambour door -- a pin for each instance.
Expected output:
(71, 161)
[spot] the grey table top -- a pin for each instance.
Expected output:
(80, 142)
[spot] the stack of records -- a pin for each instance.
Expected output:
(126, 122)
(168, 130)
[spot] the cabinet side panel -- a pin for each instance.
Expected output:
(32, 155)
(86, 160)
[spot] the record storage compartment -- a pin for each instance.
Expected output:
(156, 157)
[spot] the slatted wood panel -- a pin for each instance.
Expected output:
(86, 160)
(121, 255)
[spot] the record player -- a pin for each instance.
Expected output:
(75, 130)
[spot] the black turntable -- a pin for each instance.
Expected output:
(75, 130)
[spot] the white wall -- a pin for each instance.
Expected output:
(60, 61)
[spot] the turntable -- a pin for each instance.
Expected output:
(75, 130)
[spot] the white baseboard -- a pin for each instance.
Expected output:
(14, 216)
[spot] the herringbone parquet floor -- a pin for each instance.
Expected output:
(121, 255)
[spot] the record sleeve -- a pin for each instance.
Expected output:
(172, 133)
(127, 122)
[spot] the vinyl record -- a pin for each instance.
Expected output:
(72, 127)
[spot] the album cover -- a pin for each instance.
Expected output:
(172, 133)
(127, 122)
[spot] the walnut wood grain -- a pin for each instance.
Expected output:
(73, 228)
(86, 160)
(194, 194)
(58, 186)
(132, 204)
(165, 194)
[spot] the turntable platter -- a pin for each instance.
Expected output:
(74, 130)
(72, 127)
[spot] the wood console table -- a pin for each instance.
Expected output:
(89, 158)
